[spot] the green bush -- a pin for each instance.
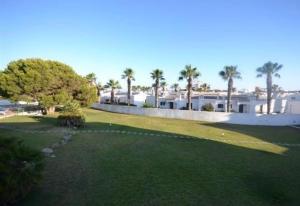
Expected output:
(208, 107)
(71, 116)
(20, 169)
(71, 120)
(147, 105)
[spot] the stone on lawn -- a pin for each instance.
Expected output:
(67, 138)
(47, 151)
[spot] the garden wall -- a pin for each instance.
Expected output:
(232, 118)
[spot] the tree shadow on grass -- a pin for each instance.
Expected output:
(163, 169)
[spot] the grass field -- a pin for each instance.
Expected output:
(106, 168)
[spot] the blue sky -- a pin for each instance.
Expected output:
(104, 37)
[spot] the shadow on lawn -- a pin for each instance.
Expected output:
(212, 170)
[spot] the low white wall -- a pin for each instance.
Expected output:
(232, 118)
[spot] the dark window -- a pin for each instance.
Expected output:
(220, 106)
(162, 103)
(210, 97)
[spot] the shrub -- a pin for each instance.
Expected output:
(208, 107)
(147, 105)
(71, 116)
(20, 169)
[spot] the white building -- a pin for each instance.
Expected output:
(136, 98)
(293, 104)
(240, 102)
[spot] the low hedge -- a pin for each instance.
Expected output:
(71, 120)
(71, 115)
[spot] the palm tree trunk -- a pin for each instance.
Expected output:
(229, 89)
(128, 91)
(156, 93)
(269, 92)
(112, 96)
(189, 94)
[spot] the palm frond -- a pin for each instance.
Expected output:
(277, 75)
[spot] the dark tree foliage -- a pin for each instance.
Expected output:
(20, 169)
(49, 82)
(207, 107)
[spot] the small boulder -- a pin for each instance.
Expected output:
(67, 138)
(47, 151)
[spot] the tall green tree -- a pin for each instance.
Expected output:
(128, 74)
(175, 86)
(269, 70)
(157, 76)
(228, 74)
(112, 85)
(189, 73)
(49, 82)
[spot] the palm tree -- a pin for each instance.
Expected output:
(112, 84)
(163, 86)
(189, 74)
(204, 87)
(276, 89)
(258, 92)
(269, 69)
(228, 74)
(99, 87)
(91, 77)
(175, 86)
(134, 88)
(129, 75)
(157, 75)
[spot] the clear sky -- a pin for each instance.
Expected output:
(104, 37)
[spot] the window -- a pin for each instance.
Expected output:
(162, 103)
(220, 106)
(210, 97)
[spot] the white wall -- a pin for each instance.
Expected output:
(233, 118)
(293, 107)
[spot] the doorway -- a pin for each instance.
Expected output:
(241, 108)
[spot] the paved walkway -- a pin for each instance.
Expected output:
(73, 131)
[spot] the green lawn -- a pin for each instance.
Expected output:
(127, 169)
